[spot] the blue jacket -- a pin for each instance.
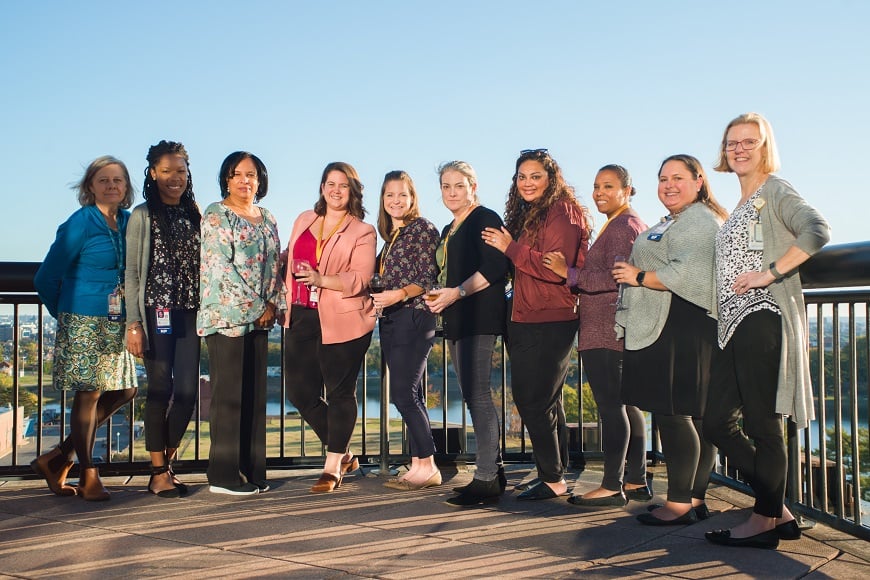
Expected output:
(82, 266)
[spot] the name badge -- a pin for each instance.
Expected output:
(164, 320)
(312, 296)
(658, 231)
(756, 236)
(116, 302)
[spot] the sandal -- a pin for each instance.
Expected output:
(166, 493)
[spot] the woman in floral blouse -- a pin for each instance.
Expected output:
(239, 294)
(407, 264)
(163, 285)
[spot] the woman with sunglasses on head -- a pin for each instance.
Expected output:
(471, 301)
(81, 283)
(163, 282)
(763, 373)
(542, 215)
(240, 297)
(407, 329)
(331, 258)
(623, 426)
(670, 332)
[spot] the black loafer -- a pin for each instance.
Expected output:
(701, 512)
(500, 476)
(687, 518)
(788, 531)
(768, 540)
(640, 494)
(617, 499)
(527, 484)
(477, 492)
(539, 491)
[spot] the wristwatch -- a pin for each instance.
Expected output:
(640, 276)
(462, 292)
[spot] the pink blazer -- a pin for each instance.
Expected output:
(349, 254)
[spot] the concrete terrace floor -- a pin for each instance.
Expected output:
(364, 530)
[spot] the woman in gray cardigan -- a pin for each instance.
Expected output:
(764, 371)
(670, 333)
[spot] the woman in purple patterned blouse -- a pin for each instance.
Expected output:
(407, 330)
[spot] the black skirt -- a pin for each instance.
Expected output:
(671, 376)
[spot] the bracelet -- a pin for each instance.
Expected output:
(776, 274)
(405, 292)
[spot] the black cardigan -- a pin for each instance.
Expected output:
(482, 312)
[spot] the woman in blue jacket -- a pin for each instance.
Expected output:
(81, 283)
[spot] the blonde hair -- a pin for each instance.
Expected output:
(769, 153)
(464, 168)
(83, 186)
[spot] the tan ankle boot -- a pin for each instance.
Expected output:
(56, 480)
(90, 486)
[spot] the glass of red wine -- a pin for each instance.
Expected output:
(299, 267)
(378, 285)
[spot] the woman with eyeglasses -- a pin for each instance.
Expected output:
(407, 329)
(763, 373)
(623, 426)
(542, 216)
(669, 319)
(81, 283)
(331, 259)
(240, 296)
(162, 279)
(471, 301)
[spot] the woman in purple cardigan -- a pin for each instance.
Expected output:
(624, 428)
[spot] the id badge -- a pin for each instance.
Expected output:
(312, 296)
(115, 306)
(756, 236)
(658, 231)
(164, 321)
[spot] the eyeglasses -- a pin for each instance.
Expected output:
(748, 144)
(528, 151)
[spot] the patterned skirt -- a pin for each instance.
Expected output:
(89, 355)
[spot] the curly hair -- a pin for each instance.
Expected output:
(83, 186)
(522, 217)
(354, 203)
(705, 194)
(151, 192)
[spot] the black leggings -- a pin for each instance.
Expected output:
(310, 366)
(690, 458)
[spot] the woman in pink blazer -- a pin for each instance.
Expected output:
(330, 260)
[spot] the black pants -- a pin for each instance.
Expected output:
(172, 365)
(310, 366)
(407, 336)
(690, 458)
(623, 426)
(539, 355)
(744, 385)
(237, 416)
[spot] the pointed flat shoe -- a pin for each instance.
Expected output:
(687, 518)
(768, 540)
(539, 491)
(617, 500)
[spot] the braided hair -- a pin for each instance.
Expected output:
(150, 192)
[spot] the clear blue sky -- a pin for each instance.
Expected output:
(408, 85)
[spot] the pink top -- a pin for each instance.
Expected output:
(304, 249)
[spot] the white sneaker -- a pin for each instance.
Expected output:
(246, 489)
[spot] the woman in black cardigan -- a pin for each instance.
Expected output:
(472, 304)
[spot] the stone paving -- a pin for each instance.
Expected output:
(365, 530)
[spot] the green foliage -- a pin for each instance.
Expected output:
(26, 399)
(572, 408)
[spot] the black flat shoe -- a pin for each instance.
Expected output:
(788, 531)
(527, 485)
(702, 511)
(539, 491)
(641, 494)
(768, 540)
(687, 518)
(166, 493)
(500, 476)
(477, 492)
(617, 499)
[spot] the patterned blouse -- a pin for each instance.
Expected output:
(734, 257)
(238, 271)
(173, 277)
(410, 259)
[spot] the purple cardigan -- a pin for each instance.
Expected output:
(595, 282)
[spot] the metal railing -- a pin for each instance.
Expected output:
(826, 461)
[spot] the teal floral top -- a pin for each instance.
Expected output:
(238, 272)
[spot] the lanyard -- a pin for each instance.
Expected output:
(388, 249)
(610, 219)
(321, 243)
(453, 231)
(118, 246)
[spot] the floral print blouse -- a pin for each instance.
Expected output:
(173, 280)
(238, 271)
(410, 259)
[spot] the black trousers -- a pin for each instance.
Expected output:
(407, 336)
(539, 355)
(311, 366)
(172, 365)
(237, 416)
(744, 385)
(689, 457)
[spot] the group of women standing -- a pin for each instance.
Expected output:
(698, 319)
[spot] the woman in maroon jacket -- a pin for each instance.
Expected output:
(542, 215)
(623, 426)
